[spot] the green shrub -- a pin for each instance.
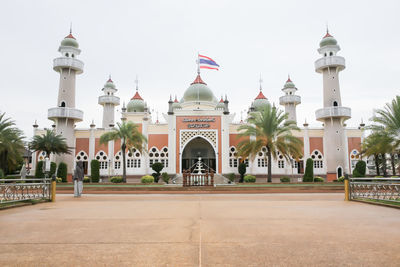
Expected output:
(285, 180)
(95, 170)
(53, 168)
(86, 179)
(39, 170)
(360, 169)
(62, 171)
(249, 179)
(58, 180)
(1, 174)
(147, 179)
(116, 179)
(231, 177)
(340, 179)
(165, 177)
(319, 179)
(309, 172)
(157, 167)
(242, 171)
(394, 177)
(379, 176)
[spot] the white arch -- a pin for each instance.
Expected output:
(187, 142)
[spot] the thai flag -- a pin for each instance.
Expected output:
(207, 63)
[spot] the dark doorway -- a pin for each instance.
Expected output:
(85, 167)
(300, 167)
(339, 172)
(195, 149)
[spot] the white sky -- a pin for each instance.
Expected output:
(159, 41)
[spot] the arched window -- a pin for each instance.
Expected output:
(133, 159)
(325, 55)
(335, 104)
(66, 54)
(318, 159)
(101, 156)
(81, 156)
(158, 156)
(72, 55)
(234, 160)
(62, 104)
(42, 156)
(281, 161)
(262, 158)
(331, 53)
(354, 158)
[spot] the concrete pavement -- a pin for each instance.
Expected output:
(201, 230)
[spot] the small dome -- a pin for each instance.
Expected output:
(198, 91)
(289, 84)
(260, 101)
(221, 104)
(109, 84)
(136, 104)
(176, 104)
(70, 41)
(327, 40)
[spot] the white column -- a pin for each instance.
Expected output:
(92, 142)
(171, 144)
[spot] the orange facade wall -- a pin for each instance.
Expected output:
(213, 125)
(158, 140)
(317, 143)
(235, 139)
(82, 144)
(99, 147)
(354, 143)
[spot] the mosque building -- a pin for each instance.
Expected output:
(201, 126)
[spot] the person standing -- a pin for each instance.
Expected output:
(23, 172)
(78, 179)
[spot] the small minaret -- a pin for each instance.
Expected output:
(332, 114)
(109, 101)
(65, 115)
(290, 100)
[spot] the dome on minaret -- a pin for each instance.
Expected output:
(70, 40)
(176, 104)
(109, 84)
(327, 40)
(221, 103)
(289, 84)
(198, 91)
(136, 104)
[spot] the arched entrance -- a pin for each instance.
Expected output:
(339, 172)
(197, 148)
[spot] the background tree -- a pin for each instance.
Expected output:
(242, 171)
(62, 171)
(309, 172)
(11, 144)
(360, 169)
(272, 130)
(95, 170)
(130, 137)
(50, 143)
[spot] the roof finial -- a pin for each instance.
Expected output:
(70, 28)
(327, 28)
(137, 83)
(261, 81)
(198, 63)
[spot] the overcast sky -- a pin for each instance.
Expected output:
(159, 41)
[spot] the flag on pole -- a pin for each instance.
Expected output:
(207, 63)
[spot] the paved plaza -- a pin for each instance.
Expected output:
(201, 230)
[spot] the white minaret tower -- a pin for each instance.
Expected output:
(65, 115)
(109, 101)
(333, 114)
(290, 100)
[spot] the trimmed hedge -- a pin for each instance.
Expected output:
(249, 179)
(147, 179)
(285, 180)
(53, 168)
(116, 179)
(242, 171)
(309, 172)
(157, 167)
(340, 179)
(86, 179)
(165, 177)
(360, 169)
(1, 173)
(39, 170)
(62, 171)
(95, 170)
(319, 179)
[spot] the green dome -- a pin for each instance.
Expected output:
(109, 84)
(260, 103)
(135, 105)
(328, 40)
(198, 91)
(176, 105)
(70, 41)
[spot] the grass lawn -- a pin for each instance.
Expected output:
(113, 185)
(379, 201)
(290, 185)
(22, 203)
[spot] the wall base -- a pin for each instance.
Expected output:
(331, 176)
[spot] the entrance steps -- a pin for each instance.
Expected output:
(218, 180)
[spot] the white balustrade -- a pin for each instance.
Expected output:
(328, 112)
(64, 112)
(331, 61)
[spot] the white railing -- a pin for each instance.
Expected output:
(375, 188)
(68, 62)
(289, 99)
(333, 112)
(61, 112)
(332, 61)
(13, 190)
(108, 99)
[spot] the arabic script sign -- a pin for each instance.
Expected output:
(198, 122)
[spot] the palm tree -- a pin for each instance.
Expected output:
(11, 144)
(50, 143)
(271, 130)
(130, 137)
